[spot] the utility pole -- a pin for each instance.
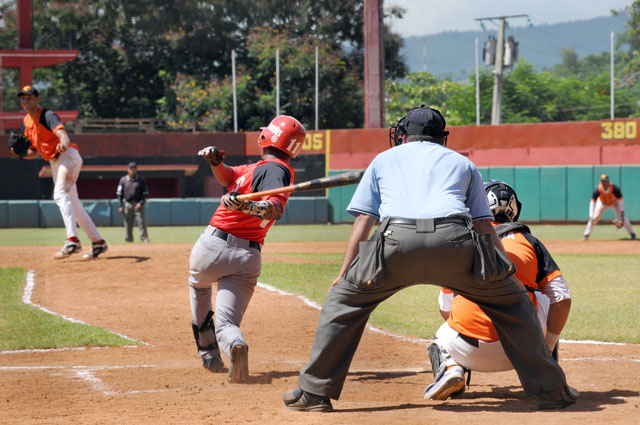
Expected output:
(496, 106)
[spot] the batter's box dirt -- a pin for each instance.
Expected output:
(164, 382)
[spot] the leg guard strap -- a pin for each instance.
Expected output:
(207, 324)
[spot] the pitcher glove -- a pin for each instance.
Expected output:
(212, 154)
(231, 202)
(19, 144)
(618, 223)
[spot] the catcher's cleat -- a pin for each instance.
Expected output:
(68, 248)
(97, 248)
(306, 402)
(239, 366)
(451, 383)
(558, 399)
(212, 362)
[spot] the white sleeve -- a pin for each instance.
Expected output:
(445, 300)
(557, 290)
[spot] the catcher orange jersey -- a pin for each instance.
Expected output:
(534, 268)
(40, 130)
(254, 178)
(607, 197)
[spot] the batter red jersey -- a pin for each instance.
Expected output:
(607, 197)
(535, 268)
(40, 130)
(264, 175)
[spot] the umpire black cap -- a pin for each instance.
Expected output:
(29, 90)
(425, 121)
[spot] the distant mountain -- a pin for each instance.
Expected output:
(452, 53)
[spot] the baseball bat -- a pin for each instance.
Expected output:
(343, 179)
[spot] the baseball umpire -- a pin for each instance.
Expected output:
(228, 252)
(48, 138)
(607, 195)
(426, 197)
(467, 341)
(132, 194)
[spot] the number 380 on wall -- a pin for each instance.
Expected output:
(619, 130)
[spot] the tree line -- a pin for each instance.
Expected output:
(172, 60)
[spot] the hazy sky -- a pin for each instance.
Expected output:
(434, 16)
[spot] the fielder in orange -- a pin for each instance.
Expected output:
(606, 196)
(467, 340)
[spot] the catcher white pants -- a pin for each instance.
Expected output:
(488, 356)
(599, 209)
(65, 170)
(236, 267)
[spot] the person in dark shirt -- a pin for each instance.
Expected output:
(132, 193)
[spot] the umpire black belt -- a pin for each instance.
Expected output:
(224, 236)
(428, 224)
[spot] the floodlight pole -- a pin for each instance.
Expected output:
(477, 85)
(613, 86)
(235, 104)
(277, 82)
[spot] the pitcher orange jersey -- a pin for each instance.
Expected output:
(534, 267)
(607, 197)
(41, 129)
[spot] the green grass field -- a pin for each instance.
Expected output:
(603, 287)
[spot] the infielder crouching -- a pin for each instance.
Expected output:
(229, 250)
(605, 196)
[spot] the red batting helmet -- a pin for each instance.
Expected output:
(284, 133)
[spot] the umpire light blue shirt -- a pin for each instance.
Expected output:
(420, 180)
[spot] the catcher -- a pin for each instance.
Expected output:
(467, 340)
(44, 135)
(605, 196)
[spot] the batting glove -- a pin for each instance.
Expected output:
(231, 202)
(212, 154)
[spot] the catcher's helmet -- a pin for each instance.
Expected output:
(284, 133)
(503, 201)
(420, 120)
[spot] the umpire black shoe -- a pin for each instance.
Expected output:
(306, 402)
(239, 366)
(558, 399)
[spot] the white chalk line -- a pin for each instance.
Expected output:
(317, 306)
(26, 298)
(88, 375)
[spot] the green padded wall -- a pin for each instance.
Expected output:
(553, 193)
(505, 174)
(630, 187)
(580, 187)
(527, 186)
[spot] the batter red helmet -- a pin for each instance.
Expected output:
(284, 133)
(503, 201)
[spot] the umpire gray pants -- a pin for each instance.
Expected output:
(440, 255)
(130, 213)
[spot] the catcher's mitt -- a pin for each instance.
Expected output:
(19, 143)
(618, 223)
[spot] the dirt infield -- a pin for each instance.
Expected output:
(141, 291)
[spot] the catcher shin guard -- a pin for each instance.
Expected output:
(207, 324)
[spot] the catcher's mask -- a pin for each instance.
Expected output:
(503, 201)
(420, 120)
(284, 133)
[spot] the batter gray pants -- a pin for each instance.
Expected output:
(236, 267)
(442, 255)
(130, 213)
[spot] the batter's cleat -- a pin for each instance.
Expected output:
(69, 247)
(558, 399)
(450, 383)
(97, 248)
(585, 238)
(633, 237)
(212, 362)
(303, 401)
(239, 366)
